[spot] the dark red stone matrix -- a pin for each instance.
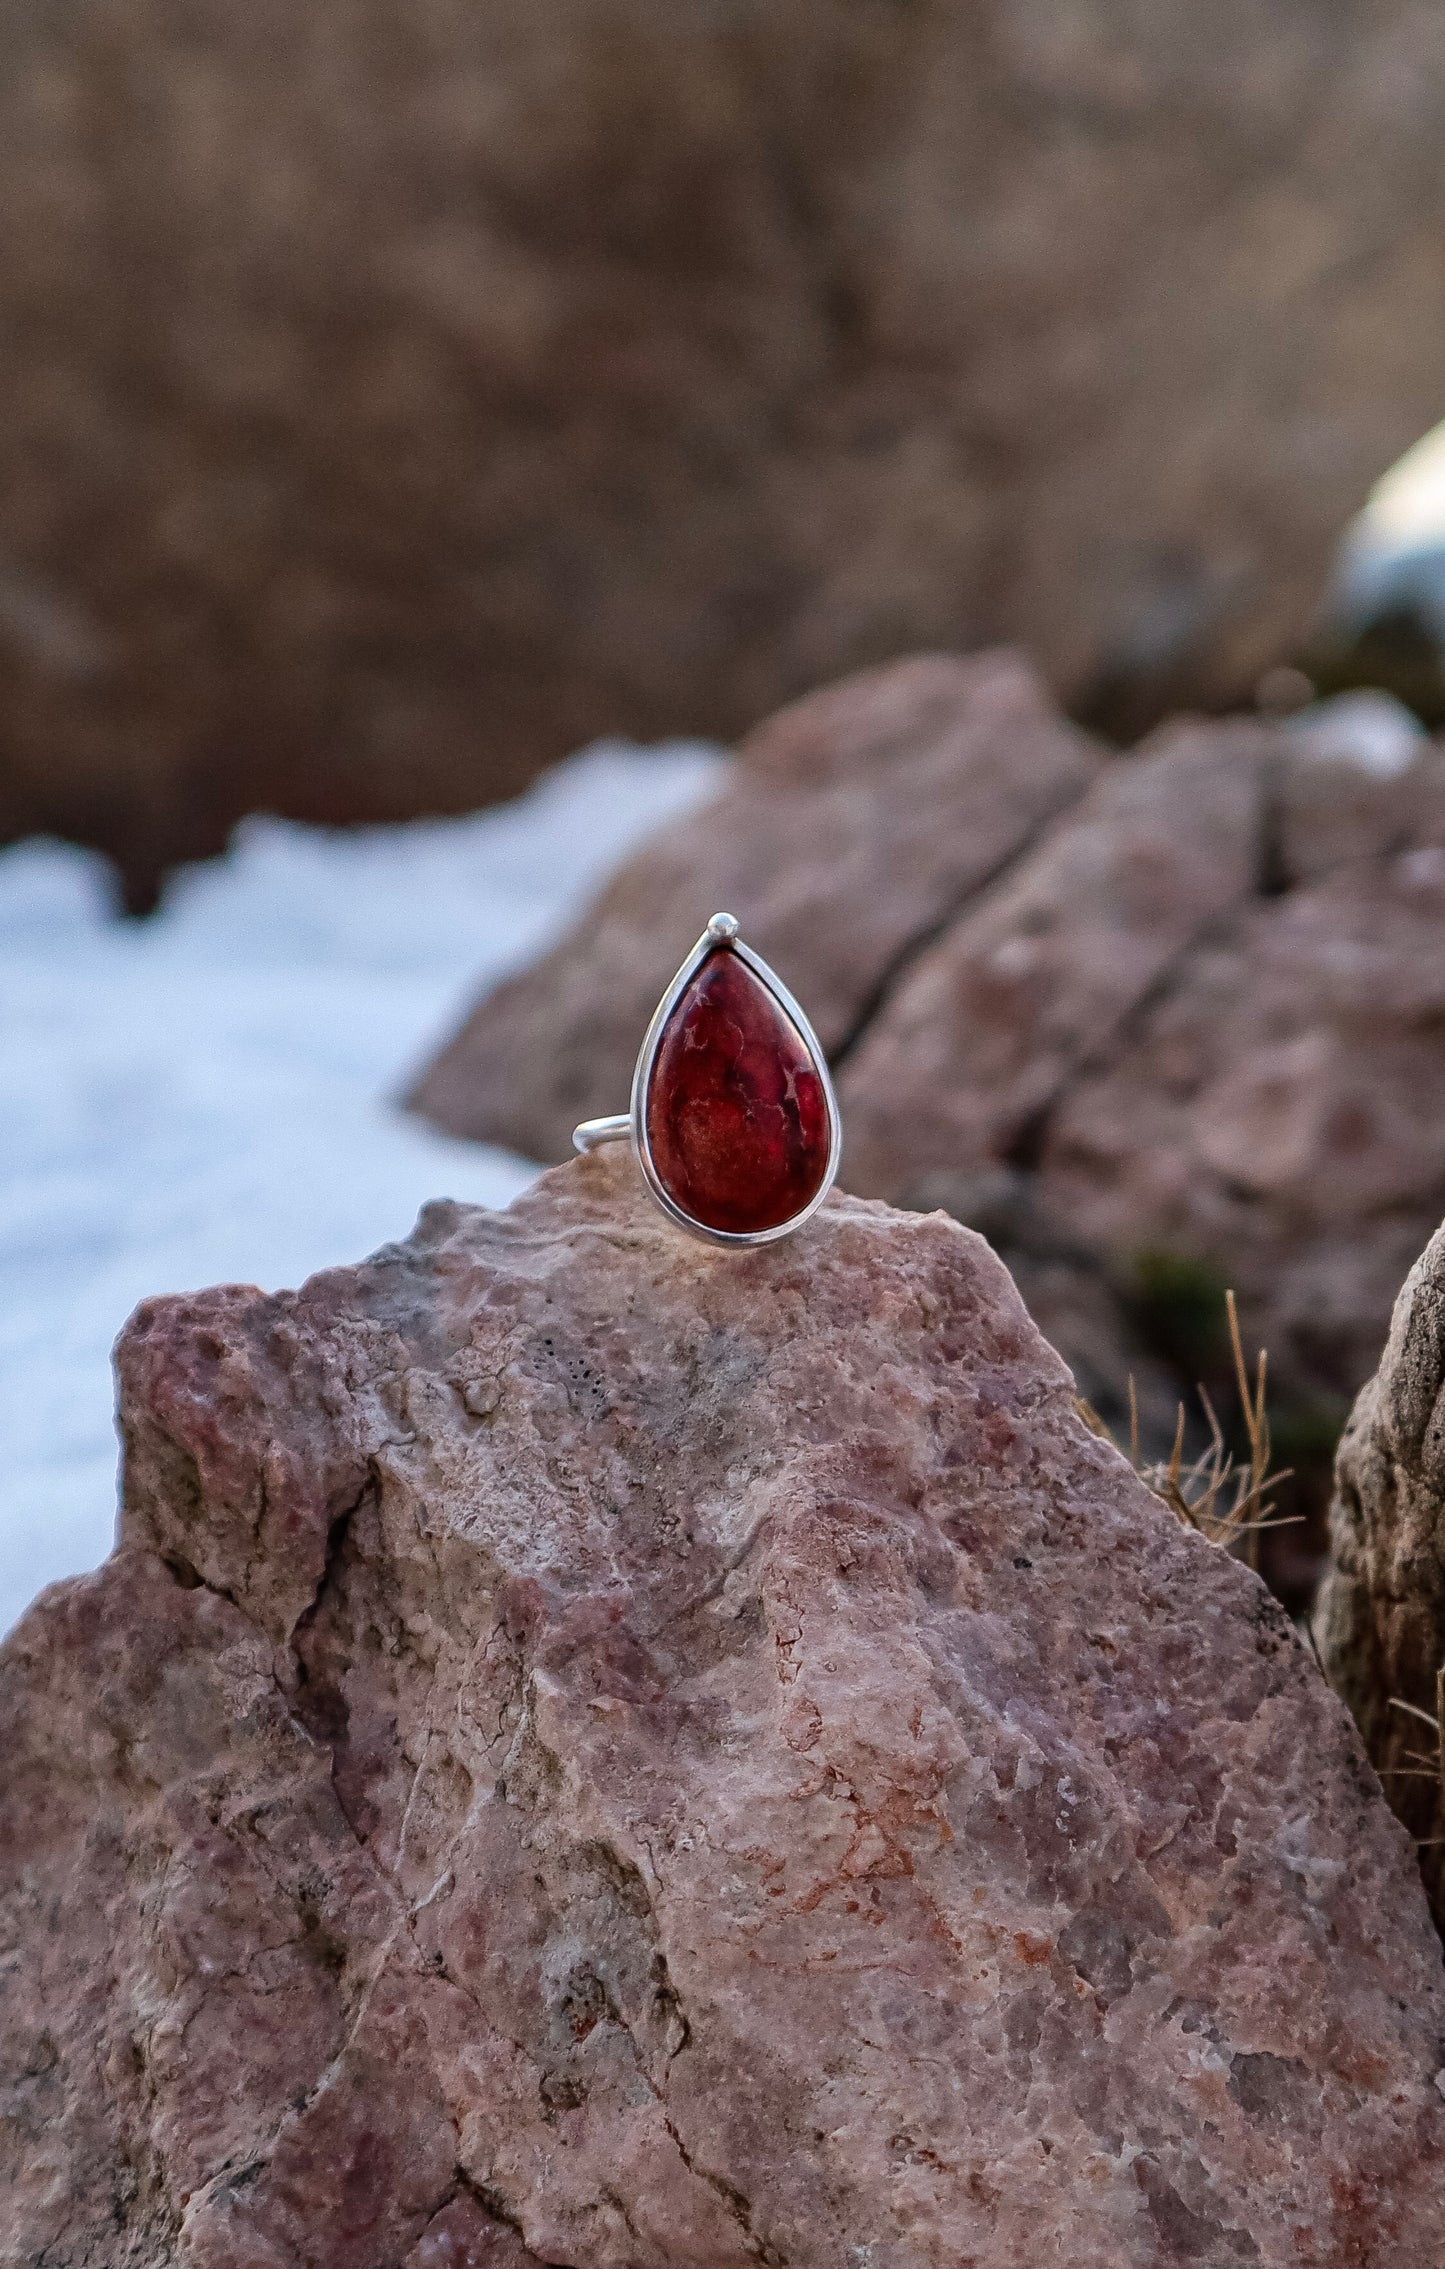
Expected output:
(736, 1113)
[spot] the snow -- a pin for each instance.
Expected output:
(1371, 730)
(1393, 557)
(1406, 507)
(206, 1097)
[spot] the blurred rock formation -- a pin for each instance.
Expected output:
(1381, 1620)
(1177, 1026)
(394, 398)
(596, 1749)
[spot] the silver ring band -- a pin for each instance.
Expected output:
(595, 1131)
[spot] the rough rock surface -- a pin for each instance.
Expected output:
(1198, 1011)
(596, 1750)
(396, 396)
(992, 1024)
(1206, 1011)
(859, 819)
(1381, 1619)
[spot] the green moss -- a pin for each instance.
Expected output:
(1306, 1434)
(1177, 1304)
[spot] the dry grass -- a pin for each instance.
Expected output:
(1425, 1764)
(1227, 1498)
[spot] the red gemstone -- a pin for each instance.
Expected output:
(737, 1118)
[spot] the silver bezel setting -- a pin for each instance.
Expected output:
(721, 934)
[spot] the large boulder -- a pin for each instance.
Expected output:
(1381, 1619)
(594, 1749)
(395, 396)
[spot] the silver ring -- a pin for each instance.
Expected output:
(733, 1118)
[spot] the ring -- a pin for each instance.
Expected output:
(733, 1119)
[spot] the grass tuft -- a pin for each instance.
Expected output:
(1228, 1498)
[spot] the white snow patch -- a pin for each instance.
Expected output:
(1407, 504)
(1370, 730)
(207, 1097)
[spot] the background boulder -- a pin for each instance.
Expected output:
(1204, 1015)
(592, 1748)
(396, 398)
(1381, 1620)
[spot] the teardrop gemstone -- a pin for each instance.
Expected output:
(736, 1114)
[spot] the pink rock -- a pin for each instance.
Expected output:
(1281, 1104)
(1205, 1009)
(465, 2236)
(596, 1749)
(860, 818)
(990, 1025)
